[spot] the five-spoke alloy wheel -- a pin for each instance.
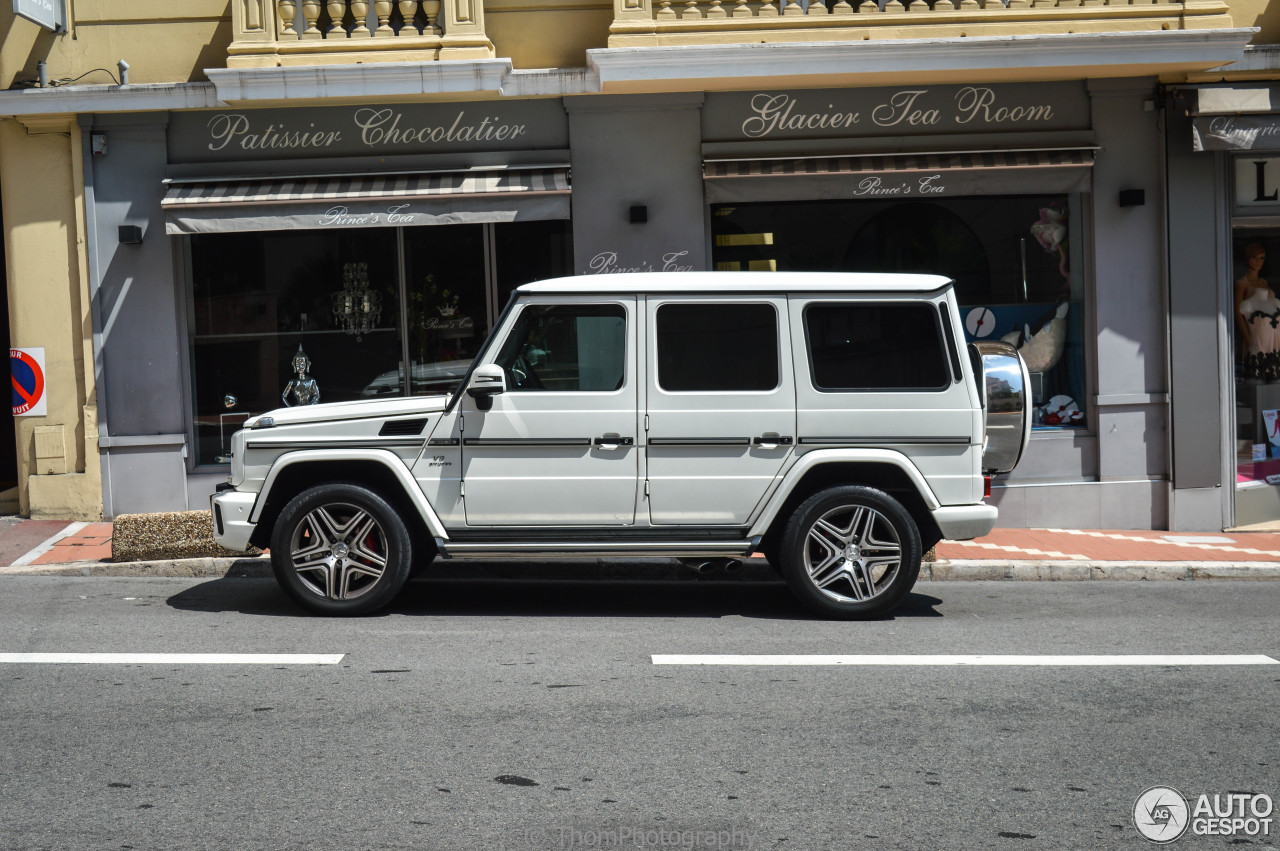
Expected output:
(851, 552)
(340, 549)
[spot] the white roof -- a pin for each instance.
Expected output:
(715, 282)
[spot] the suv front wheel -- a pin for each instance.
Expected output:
(340, 549)
(851, 552)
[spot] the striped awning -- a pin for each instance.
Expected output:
(366, 200)
(885, 176)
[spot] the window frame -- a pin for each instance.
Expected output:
(929, 306)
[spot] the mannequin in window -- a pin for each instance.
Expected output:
(1255, 257)
(1258, 317)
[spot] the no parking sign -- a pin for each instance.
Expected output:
(26, 369)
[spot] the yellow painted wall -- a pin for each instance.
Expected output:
(164, 41)
(1258, 13)
(46, 270)
(547, 33)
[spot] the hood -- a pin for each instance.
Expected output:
(329, 411)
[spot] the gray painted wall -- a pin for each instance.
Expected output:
(1195, 385)
(629, 151)
(1129, 305)
(138, 353)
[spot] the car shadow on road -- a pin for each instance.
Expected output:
(484, 597)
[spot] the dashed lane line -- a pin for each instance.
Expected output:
(962, 660)
(171, 658)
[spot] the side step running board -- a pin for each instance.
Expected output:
(673, 549)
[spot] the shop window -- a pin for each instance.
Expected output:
(530, 251)
(257, 299)
(1010, 256)
(875, 347)
(566, 348)
(359, 303)
(1256, 314)
(445, 307)
(717, 347)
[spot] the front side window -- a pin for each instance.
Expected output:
(566, 347)
(875, 347)
(717, 347)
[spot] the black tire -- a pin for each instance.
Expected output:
(850, 552)
(341, 549)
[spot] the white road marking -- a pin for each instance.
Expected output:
(171, 658)
(1035, 661)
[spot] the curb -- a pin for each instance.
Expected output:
(1083, 571)
(191, 568)
(658, 569)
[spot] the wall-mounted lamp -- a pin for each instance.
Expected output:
(1133, 197)
(130, 235)
(639, 214)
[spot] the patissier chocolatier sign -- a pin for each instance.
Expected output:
(261, 134)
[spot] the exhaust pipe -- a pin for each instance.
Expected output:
(707, 566)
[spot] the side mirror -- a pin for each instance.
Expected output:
(486, 382)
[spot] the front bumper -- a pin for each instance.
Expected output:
(965, 522)
(231, 512)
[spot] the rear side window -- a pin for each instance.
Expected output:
(875, 347)
(709, 347)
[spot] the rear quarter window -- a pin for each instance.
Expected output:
(875, 346)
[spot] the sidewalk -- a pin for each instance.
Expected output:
(47, 546)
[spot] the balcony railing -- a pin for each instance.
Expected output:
(671, 22)
(310, 32)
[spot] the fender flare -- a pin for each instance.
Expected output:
(819, 457)
(383, 457)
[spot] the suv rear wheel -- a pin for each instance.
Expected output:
(850, 552)
(340, 549)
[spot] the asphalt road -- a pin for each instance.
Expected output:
(516, 715)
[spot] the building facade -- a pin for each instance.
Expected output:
(365, 183)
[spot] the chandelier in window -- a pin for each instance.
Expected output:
(356, 307)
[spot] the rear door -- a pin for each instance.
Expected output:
(883, 371)
(720, 404)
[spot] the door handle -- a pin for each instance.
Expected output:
(771, 441)
(613, 441)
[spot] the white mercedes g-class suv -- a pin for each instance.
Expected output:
(831, 422)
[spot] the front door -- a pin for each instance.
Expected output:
(721, 405)
(558, 447)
